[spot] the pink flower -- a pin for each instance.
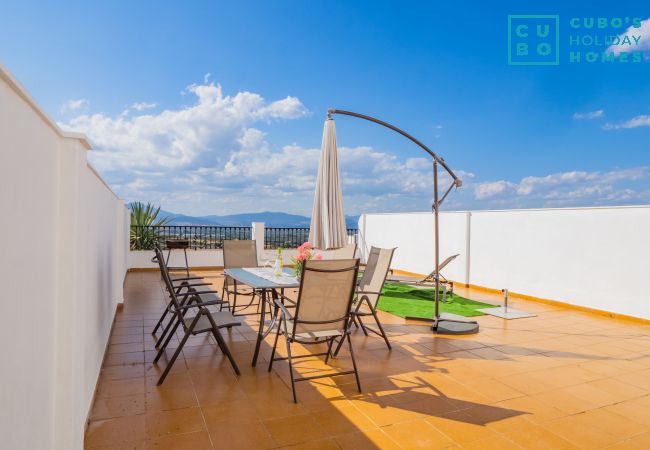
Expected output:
(318, 257)
(301, 257)
(307, 245)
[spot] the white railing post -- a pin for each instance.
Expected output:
(257, 233)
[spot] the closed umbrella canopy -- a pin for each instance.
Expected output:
(328, 229)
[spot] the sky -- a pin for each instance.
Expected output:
(218, 107)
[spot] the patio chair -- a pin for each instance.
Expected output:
(238, 254)
(429, 279)
(369, 290)
(347, 252)
(322, 313)
(179, 284)
(205, 321)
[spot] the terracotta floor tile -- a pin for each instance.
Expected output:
(119, 388)
(125, 348)
(177, 421)
(348, 419)
(595, 429)
(639, 442)
(295, 429)
(537, 437)
(417, 434)
(189, 441)
(321, 444)
(122, 372)
(120, 431)
(168, 399)
(495, 442)
(370, 440)
(236, 434)
(460, 427)
(108, 408)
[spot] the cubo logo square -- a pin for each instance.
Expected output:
(533, 40)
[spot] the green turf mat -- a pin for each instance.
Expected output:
(408, 301)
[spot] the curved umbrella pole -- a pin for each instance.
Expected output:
(440, 325)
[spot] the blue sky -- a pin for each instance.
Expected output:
(134, 77)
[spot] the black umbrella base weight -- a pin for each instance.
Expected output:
(451, 324)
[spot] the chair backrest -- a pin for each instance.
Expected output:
(346, 252)
(238, 254)
(374, 276)
(447, 261)
(325, 296)
(165, 275)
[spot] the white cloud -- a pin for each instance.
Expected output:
(589, 115)
(73, 105)
(210, 157)
(198, 134)
(567, 189)
(635, 122)
(642, 33)
(141, 106)
(483, 191)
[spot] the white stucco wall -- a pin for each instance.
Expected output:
(62, 270)
(592, 257)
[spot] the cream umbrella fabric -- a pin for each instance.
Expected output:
(328, 228)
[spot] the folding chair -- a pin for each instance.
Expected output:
(238, 254)
(322, 313)
(205, 321)
(178, 285)
(369, 290)
(429, 279)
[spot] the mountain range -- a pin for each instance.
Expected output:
(270, 219)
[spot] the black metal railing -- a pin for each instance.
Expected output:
(285, 237)
(288, 237)
(212, 237)
(199, 236)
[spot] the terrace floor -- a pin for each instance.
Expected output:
(564, 379)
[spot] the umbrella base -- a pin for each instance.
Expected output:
(451, 324)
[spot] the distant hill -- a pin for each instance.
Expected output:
(270, 219)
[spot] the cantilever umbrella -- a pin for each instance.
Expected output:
(328, 229)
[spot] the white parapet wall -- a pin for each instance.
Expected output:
(64, 258)
(591, 257)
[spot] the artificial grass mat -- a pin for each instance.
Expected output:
(408, 301)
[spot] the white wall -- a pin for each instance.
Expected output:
(593, 257)
(63, 266)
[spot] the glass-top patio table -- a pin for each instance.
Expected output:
(261, 279)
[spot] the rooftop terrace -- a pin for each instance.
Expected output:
(564, 379)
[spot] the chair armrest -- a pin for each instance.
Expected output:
(186, 279)
(200, 304)
(286, 298)
(189, 285)
(368, 292)
(283, 309)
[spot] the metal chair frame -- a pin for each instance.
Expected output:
(291, 335)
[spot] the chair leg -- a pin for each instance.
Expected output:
(329, 350)
(160, 321)
(275, 344)
(234, 297)
(381, 329)
(169, 338)
(354, 362)
(187, 266)
(176, 353)
(293, 383)
(187, 299)
(363, 327)
(224, 348)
